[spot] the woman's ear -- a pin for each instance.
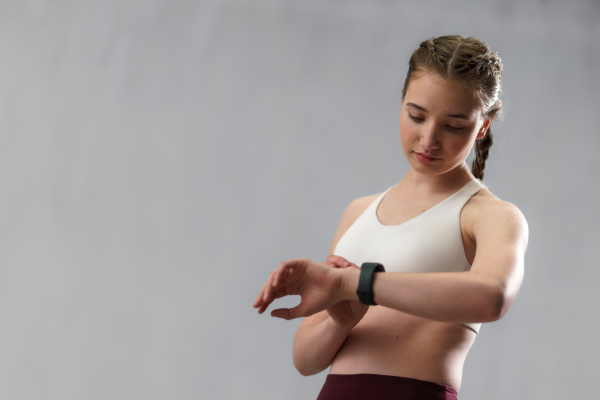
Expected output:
(484, 127)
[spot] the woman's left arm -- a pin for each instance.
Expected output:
(482, 294)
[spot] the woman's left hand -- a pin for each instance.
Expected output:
(318, 285)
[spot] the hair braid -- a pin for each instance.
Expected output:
(484, 63)
(482, 150)
(429, 46)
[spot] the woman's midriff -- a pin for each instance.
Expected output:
(390, 342)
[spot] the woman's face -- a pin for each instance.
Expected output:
(439, 123)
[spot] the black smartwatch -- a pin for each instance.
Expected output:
(365, 282)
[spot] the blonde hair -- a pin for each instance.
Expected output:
(470, 61)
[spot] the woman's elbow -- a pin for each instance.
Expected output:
(499, 301)
(305, 372)
(304, 362)
(305, 369)
(301, 367)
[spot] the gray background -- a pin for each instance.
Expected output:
(158, 158)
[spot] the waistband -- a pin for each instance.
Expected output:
(383, 387)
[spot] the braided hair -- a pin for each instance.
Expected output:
(468, 60)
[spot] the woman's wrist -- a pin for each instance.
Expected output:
(350, 277)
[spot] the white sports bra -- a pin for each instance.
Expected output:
(429, 242)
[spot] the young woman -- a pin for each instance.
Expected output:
(452, 251)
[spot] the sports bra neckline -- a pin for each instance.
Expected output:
(380, 199)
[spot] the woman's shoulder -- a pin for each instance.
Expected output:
(354, 210)
(358, 206)
(486, 209)
(485, 201)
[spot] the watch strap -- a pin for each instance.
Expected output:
(365, 282)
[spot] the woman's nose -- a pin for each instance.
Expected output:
(429, 140)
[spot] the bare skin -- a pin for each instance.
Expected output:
(416, 331)
(392, 342)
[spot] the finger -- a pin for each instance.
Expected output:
(266, 294)
(262, 297)
(261, 293)
(331, 259)
(289, 313)
(268, 286)
(258, 301)
(340, 261)
(283, 313)
(263, 307)
(330, 263)
(276, 295)
(282, 271)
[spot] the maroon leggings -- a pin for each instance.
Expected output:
(382, 387)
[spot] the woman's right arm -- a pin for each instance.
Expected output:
(320, 337)
(316, 343)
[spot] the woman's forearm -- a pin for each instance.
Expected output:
(317, 342)
(444, 296)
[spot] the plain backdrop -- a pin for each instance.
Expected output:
(158, 158)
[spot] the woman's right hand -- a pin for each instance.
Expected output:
(348, 312)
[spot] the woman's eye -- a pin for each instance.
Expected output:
(455, 128)
(414, 118)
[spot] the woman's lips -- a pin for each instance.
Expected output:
(426, 159)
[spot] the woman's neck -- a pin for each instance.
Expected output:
(448, 181)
